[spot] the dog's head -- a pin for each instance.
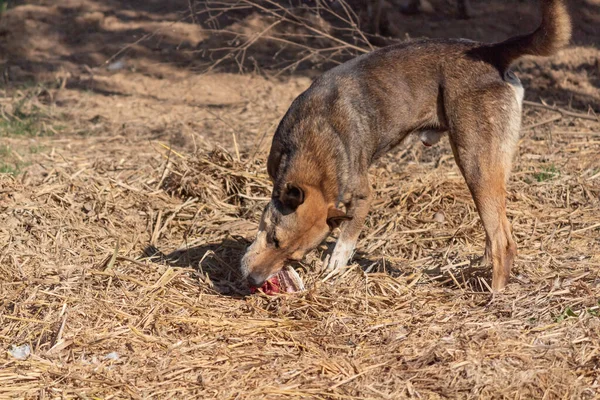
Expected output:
(296, 220)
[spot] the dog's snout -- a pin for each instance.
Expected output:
(255, 282)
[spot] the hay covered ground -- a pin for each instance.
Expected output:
(104, 167)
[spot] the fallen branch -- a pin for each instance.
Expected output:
(562, 111)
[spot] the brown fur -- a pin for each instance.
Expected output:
(356, 112)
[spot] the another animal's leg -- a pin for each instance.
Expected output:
(484, 139)
(464, 9)
(357, 208)
(412, 7)
(377, 16)
(417, 6)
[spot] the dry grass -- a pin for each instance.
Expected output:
(411, 317)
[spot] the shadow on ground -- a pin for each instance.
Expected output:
(51, 36)
(473, 277)
(219, 262)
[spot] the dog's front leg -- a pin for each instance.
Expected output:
(357, 208)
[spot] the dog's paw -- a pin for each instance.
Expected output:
(339, 258)
(333, 263)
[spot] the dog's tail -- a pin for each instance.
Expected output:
(553, 33)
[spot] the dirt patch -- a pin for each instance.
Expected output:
(107, 164)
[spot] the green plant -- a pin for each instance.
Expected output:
(22, 122)
(9, 169)
(18, 127)
(25, 117)
(547, 173)
(567, 313)
(9, 164)
(594, 311)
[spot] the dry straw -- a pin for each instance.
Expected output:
(411, 317)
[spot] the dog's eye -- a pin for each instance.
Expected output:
(273, 239)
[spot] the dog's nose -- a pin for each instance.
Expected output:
(255, 282)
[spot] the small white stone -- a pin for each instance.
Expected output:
(20, 352)
(112, 356)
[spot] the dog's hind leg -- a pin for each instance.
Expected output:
(484, 135)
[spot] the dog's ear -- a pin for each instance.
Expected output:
(291, 196)
(335, 217)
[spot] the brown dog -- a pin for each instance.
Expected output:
(356, 112)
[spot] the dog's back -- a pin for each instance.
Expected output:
(383, 95)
